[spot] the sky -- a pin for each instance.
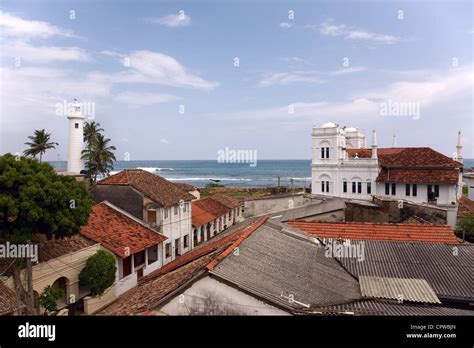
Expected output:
(181, 80)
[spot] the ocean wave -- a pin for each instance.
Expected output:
(208, 179)
(155, 169)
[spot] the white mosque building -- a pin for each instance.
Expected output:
(343, 166)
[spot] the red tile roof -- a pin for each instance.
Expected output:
(200, 216)
(419, 176)
(417, 165)
(116, 231)
(371, 231)
(228, 201)
(466, 207)
(211, 206)
(163, 192)
(407, 157)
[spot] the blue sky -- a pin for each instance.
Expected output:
(138, 61)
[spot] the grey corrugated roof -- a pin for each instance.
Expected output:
(288, 271)
(400, 289)
(376, 307)
(448, 269)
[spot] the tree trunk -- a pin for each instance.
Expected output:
(30, 298)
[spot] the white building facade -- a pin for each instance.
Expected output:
(343, 167)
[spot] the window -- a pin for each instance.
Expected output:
(322, 186)
(185, 241)
(230, 214)
(139, 259)
(414, 190)
(175, 210)
(344, 186)
(322, 152)
(151, 216)
(353, 187)
(126, 266)
(185, 206)
(327, 152)
(436, 190)
(168, 250)
(369, 187)
(359, 187)
(387, 188)
(76, 125)
(177, 247)
(152, 254)
(195, 237)
(407, 189)
(327, 186)
(394, 189)
(165, 210)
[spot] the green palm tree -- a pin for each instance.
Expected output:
(99, 157)
(91, 130)
(40, 142)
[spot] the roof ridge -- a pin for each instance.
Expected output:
(244, 235)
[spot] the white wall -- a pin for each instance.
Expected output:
(228, 299)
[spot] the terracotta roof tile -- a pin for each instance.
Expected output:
(370, 231)
(117, 231)
(211, 206)
(229, 201)
(160, 190)
(419, 176)
(200, 216)
(466, 206)
(407, 157)
(7, 299)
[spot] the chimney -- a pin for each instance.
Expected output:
(374, 144)
(394, 141)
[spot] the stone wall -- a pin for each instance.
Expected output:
(273, 204)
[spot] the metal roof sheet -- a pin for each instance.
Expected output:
(400, 289)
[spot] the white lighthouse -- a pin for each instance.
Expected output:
(76, 125)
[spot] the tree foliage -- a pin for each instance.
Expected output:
(49, 296)
(98, 154)
(99, 272)
(35, 199)
(466, 224)
(40, 142)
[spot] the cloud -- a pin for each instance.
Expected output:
(43, 54)
(157, 68)
(285, 25)
(17, 35)
(173, 20)
(432, 90)
(144, 99)
(329, 28)
(16, 27)
(310, 76)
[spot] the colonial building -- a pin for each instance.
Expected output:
(154, 200)
(138, 249)
(213, 215)
(342, 166)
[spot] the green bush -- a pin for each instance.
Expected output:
(49, 296)
(466, 224)
(99, 272)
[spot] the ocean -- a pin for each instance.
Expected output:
(200, 173)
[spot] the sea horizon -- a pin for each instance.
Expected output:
(199, 173)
